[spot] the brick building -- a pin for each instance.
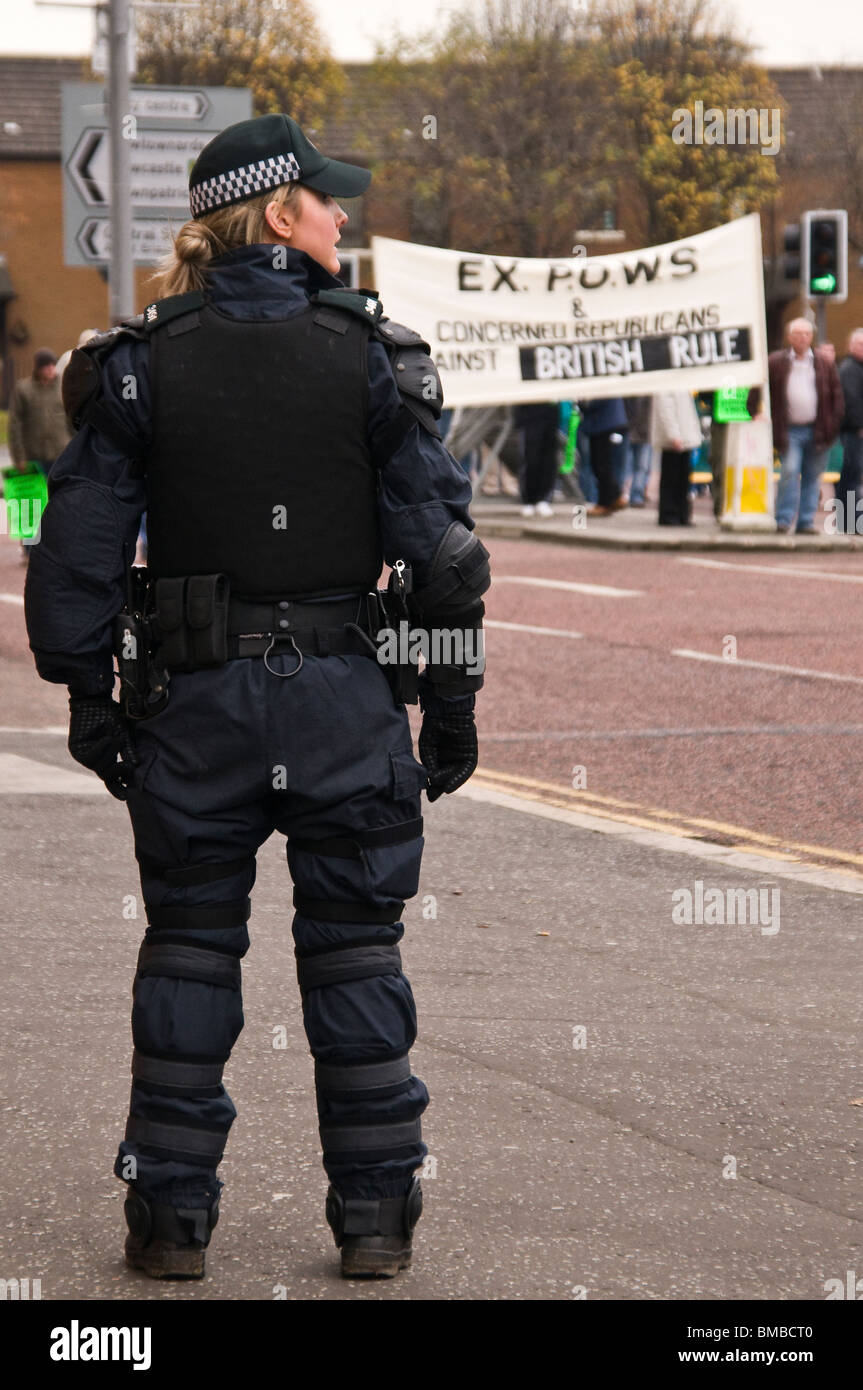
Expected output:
(45, 303)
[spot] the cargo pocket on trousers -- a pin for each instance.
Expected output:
(397, 866)
(409, 777)
(146, 758)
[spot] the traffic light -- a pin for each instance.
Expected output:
(791, 252)
(824, 236)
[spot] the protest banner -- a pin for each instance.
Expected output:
(685, 316)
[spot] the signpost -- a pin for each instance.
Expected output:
(164, 130)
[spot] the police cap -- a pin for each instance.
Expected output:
(252, 156)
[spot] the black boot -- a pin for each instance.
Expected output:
(374, 1236)
(167, 1242)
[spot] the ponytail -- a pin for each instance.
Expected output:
(202, 239)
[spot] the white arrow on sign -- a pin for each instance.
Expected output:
(149, 105)
(160, 164)
(151, 238)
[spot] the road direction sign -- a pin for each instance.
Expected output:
(171, 126)
(151, 239)
(159, 167)
(179, 104)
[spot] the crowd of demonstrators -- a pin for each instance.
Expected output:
(850, 484)
(619, 438)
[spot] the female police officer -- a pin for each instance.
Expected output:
(281, 435)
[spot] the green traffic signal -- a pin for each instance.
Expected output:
(824, 284)
(825, 253)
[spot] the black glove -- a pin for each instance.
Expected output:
(448, 751)
(99, 735)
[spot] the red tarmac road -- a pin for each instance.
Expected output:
(768, 750)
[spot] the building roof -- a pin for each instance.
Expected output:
(816, 97)
(30, 100)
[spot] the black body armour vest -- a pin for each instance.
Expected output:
(259, 467)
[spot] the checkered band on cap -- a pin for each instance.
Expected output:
(241, 183)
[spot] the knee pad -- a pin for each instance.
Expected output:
(359, 1085)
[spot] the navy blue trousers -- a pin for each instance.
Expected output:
(323, 756)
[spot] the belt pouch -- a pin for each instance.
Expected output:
(171, 622)
(207, 618)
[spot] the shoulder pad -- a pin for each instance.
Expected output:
(399, 334)
(103, 343)
(161, 311)
(83, 373)
(363, 304)
(80, 381)
(415, 372)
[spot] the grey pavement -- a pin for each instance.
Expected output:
(560, 1169)
(637, 529)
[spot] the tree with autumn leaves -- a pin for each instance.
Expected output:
(529, 119)
(664, 57)
(518, 124)
(273, 47)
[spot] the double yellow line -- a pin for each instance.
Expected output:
(735, 837)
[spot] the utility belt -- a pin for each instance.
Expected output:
(193, 623)
(199, 624)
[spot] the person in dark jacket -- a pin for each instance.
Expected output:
(850, 483)
(806, 406)
(605, 424)
(281, 460)
(537, 426)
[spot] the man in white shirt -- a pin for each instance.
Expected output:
(806, 405)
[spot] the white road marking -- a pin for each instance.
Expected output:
(12, 598)
(45, 729)
(769, 666)
(836, 879)
(526, 627)
(708, 731)
(19, 775)
(774, 569)
(570, 585)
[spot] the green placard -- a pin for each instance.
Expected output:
(572, 434)
(25, 497)
(729, 404)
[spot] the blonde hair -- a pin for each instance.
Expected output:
(203, 238)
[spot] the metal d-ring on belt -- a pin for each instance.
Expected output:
(337, 626)
(285, 675)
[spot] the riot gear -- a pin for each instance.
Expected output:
(282, 438)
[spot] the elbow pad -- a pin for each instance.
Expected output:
(458, 577)
(451, 605)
